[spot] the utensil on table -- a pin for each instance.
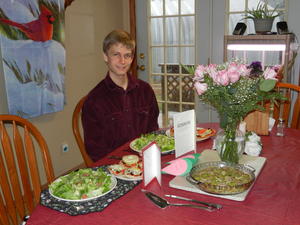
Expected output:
(163, 203)
(214, 205)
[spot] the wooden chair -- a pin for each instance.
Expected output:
(76, 122)
(19, 171)
(291, 107)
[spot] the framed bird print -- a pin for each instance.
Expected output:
(33, 55)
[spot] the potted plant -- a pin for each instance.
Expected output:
(262, 17)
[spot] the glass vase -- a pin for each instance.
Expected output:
(230, 145)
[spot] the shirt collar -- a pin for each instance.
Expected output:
(132, 83)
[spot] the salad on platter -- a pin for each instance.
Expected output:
(84, 184)
(164, 142)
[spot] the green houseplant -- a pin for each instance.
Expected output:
(262, 17)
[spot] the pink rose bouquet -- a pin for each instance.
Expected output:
(234, 89)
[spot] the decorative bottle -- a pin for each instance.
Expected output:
(280, 128)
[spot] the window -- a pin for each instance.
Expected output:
(236, 11)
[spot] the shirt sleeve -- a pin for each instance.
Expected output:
(154, 112)
(92, 128)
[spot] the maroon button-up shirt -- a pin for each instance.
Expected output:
(112, 116)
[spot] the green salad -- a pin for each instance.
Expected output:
(81, 184)
(164, 142)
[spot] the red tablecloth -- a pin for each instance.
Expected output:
(273, 200)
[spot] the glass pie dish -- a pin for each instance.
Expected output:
(222, 178)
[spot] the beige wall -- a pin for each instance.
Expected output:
(87, 23)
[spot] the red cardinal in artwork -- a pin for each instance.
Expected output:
(37, 30)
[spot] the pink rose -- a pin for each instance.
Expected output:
(212, 71)
(244, 71)
(200, 87)
(270, 74)
(233, 72)
(222, 78)
(199, 73)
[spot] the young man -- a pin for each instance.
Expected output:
(121, 107)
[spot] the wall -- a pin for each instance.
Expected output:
(87, 23)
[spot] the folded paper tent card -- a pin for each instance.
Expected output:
(181, 166)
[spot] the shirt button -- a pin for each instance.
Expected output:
(126, 110)
(128, 125)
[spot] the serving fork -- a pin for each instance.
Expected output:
(213, 205)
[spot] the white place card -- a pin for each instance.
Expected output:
(151, 163)
(185, 132)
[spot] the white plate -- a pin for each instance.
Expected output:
(112, 186)
(139, 151)
(198, 138)
(124, 177)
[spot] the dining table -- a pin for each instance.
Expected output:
(274, 198)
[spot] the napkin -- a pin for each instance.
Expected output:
(271, 123)
(181, 166)
(253, 145)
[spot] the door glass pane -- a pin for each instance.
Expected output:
(157, 85)
(172, 55)
(188, 55)
(172, 31)
(157, 31)
(173, 84)
(187, 6)
(157, 59)
(188, 94)
(173, 108)
(171, 7)
(172, 42)
(186, 107)
(156, 7)
(188, 30)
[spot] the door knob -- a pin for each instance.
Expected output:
(142, 55)
(142, 67)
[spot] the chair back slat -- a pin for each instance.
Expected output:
(3, 216)
(29, 147)
(13, 195)
(296, 113)
(23, 166)
(76, 119)
(10, 210)
(290, 108)
(19, 171)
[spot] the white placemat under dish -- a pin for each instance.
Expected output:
(256, 162)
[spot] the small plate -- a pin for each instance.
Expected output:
(205, 137)
(112, 186)
(140, 151)
(123, 176)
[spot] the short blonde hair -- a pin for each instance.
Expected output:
(116, 37)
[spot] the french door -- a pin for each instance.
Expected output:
(171, 36)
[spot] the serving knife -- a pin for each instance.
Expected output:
(214, 205)
(163, 203)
